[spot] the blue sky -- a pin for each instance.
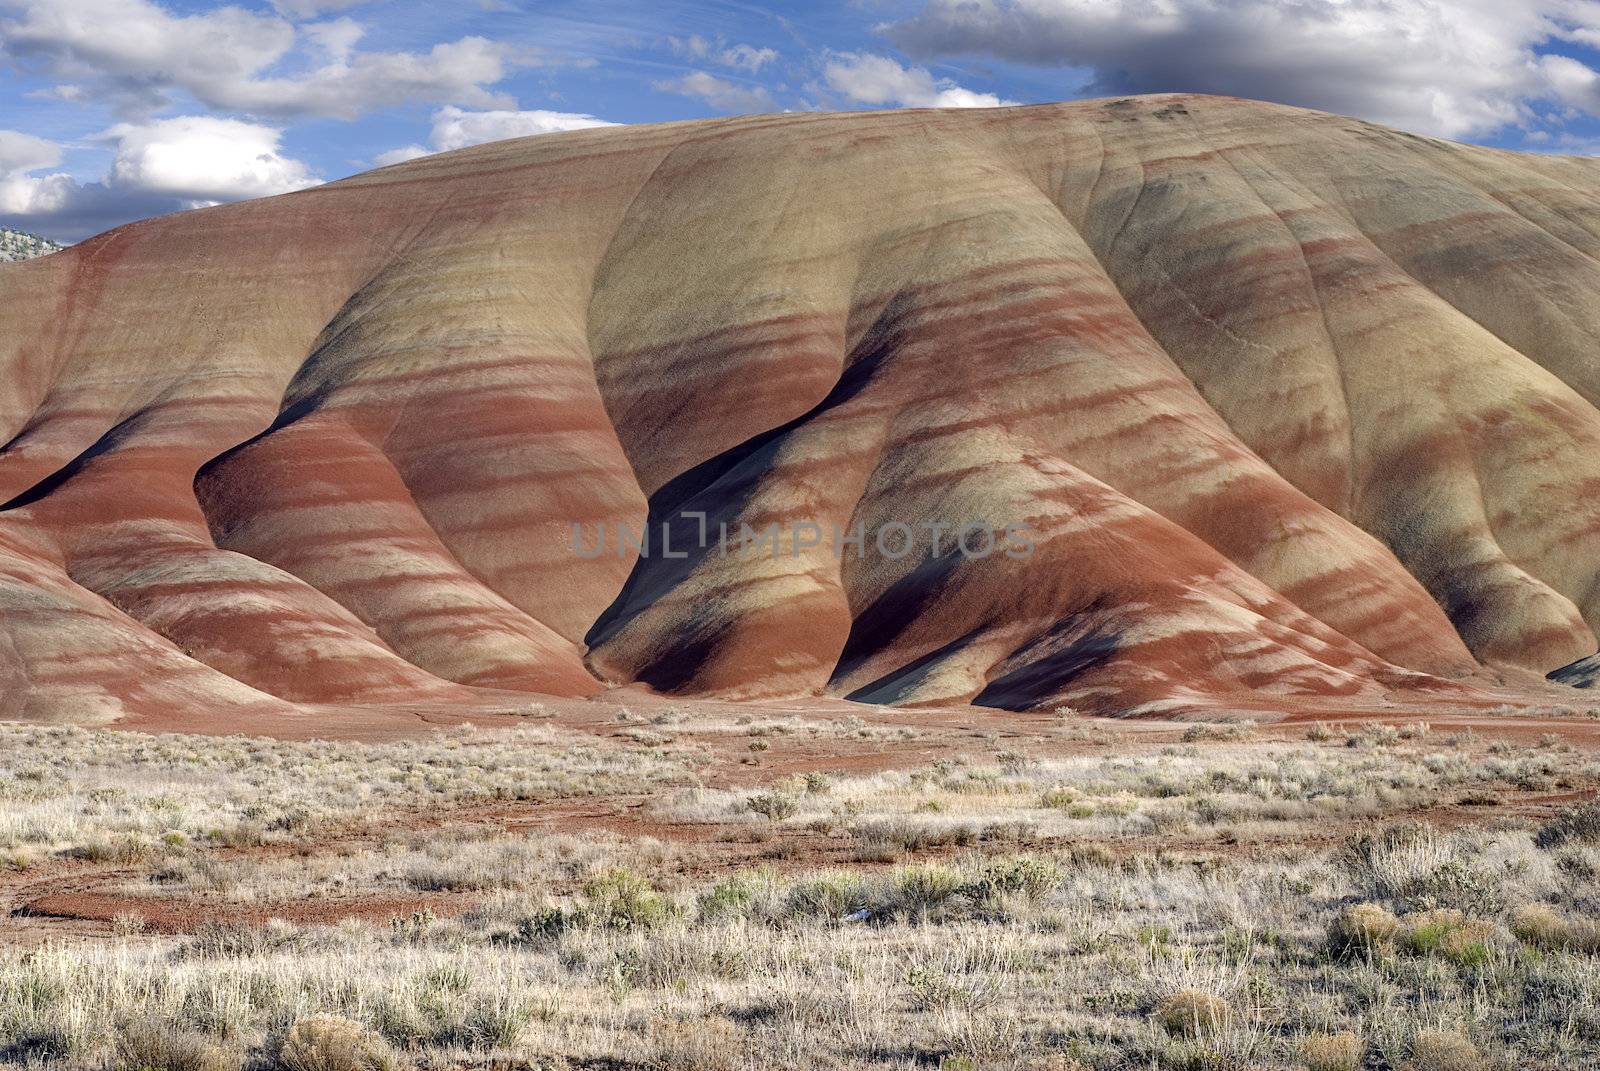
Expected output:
(115, 109)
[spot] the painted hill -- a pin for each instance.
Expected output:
(16, 245)
(1284, 405)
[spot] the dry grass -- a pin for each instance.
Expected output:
(128, 797)
(1044, 939)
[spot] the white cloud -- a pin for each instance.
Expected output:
(718, 92)
(138, 54)
(159, 166)
(865, 78)
(337, 37)
(1450, 67)
(691, 47)
(20, 191)
(1572, 83)
(139, 50)
(747, 57)
(24, 196)
(454, 128)
(21, 152)
(200, 159)
(740, 56)
(455, 72)
(402, 154)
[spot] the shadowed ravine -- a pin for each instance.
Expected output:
(1293, 406)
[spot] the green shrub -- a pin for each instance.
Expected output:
(818, 783)
(1448, 933)
(917, 890)
(1028, 876)
(620, 899)
(773, 806)
(732, 897)
(832, 894)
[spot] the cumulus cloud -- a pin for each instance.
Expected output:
(865, 78)
(21, 152)
(1457, 68)
(402, 154)
(718, 92)
(336, 37)
(137, 50)
(345, 88)
(455, 128)
(137, 55)
(1572, 83)
(21, 192)
(159, 166)
(202, 160)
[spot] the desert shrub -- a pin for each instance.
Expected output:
(1444, 1050)
(124, 849)
(1574, 825)
(1015, 763)
(906, 834)
(1058, 798)
(1417, 868)
(1366, 929)
(1370, 929)
(773, 806)
(1539, 925)
(1460, 884)
(731, 897)
(831, 894)
(146, 1045)
(331, 1043)
(42, 1040)
(1029, 876)
(1194, 1013)
(621, 899)
(1213, 731)
(1449, 933)
(708, 1044)
(1543, 927)
(917, 890)
(1333, 1052)
(817, 783)
(494, 1020)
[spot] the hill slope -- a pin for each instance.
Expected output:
(1286, 404)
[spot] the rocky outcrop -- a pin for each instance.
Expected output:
(16, 245)
(1252, 401)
